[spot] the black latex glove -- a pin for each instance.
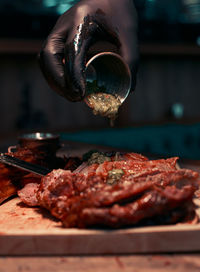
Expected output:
(87, 28)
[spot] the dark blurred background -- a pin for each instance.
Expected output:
(168, 87)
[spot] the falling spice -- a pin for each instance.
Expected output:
(104, 104)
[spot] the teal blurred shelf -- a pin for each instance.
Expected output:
(165, 140)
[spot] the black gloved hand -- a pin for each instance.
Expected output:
(107, 23)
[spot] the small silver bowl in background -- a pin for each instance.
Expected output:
(40, 141)
(111, 73)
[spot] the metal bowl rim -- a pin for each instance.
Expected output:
(39, 136)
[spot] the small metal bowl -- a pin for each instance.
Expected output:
(40, 141)
(110, 73)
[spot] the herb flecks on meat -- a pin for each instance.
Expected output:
(98, 158)
(114, 176)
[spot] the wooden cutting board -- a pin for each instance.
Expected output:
(32, 231)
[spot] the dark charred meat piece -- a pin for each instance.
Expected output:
(7, 189)
(145, 192)
(79, 200)
(105, 201)
(154, 202)
(38, 157)
(60, 185)
(125, 191)
(12, 179)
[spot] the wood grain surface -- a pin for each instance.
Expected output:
(32, 231)
(136, 263)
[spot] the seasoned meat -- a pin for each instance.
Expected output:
(132, 166)
(152, 203)
(61, 184)
(87, 167)
(126, 190)
(81, 200)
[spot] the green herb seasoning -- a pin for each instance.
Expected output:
(114, 176)
(98, 157)
(104, 104)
